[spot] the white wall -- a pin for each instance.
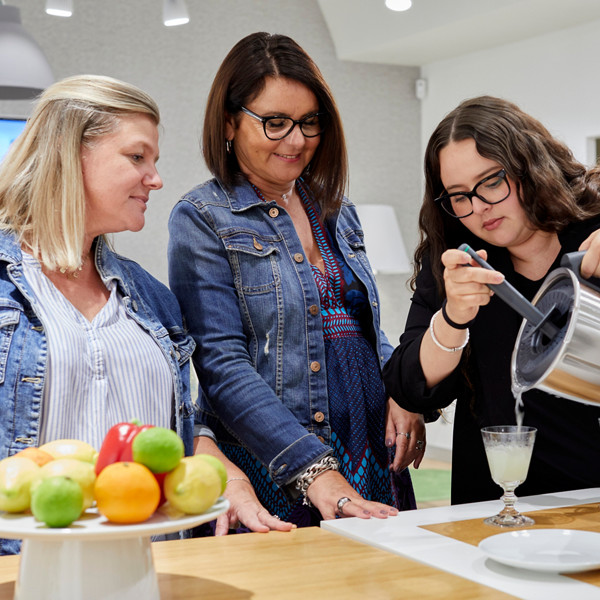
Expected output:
(554, 77)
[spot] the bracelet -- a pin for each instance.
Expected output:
(238, 479)
(451, 322)
(303, 481)
(437, 342)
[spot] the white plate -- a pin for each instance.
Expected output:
(554, 550)
(93, 526)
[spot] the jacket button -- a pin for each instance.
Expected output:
(273, 212)
(319, 417)
(298, 257)
(315, 366)
(257, 244)
(321, 439)
(313, 309)
(351, 255)
(374, 303)
(134, 306)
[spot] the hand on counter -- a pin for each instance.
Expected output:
(246, 509)
(330, 487)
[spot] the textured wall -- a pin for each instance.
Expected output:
(127, 40)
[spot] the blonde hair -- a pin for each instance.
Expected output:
(42, 197)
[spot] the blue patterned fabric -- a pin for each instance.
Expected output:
(356, 395)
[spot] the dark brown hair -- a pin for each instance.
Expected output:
(241, 78)
(553, 188)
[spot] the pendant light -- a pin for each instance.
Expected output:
(175, 13)
(24, 70)
(59, 8)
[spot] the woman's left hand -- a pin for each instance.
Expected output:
(407, 431)
(590, 265)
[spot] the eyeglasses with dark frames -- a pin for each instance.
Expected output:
(491, 190)
(276, 128)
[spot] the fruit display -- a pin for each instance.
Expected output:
(138, 468)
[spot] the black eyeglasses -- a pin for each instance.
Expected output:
(491, 190)
(276, 128)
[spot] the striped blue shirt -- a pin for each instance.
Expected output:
(101, 372)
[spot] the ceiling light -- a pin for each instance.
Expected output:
(175, 13)
(24, 70)
(398, 5)
(59, 8)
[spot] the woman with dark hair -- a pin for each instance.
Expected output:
(496, 179)
(290, 348)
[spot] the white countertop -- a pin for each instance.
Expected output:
(402, 535)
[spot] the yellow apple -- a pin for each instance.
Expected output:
(193, 486)
(17, 474)
(71, 449)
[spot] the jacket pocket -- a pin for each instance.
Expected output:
(9, 319)
(253, 259)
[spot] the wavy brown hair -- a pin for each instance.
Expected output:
(241, 78)
(553, 188)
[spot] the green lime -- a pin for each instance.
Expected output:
(219, 466)
(158, 448)
(57, 501)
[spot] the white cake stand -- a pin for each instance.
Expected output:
(93, 558)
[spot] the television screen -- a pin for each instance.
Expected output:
(9, 131)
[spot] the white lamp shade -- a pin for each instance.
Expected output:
(175, 13)
(24, 70)
(383, 240)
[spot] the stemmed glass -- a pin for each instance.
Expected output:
(508, 449)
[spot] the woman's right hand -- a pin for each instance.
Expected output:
(329, 487)
(466, 288)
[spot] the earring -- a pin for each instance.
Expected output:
(228, 145)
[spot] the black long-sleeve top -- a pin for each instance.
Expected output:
(566, 454)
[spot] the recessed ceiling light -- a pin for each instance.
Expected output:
(398, 5)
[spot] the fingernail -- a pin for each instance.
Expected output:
(383, 511)
(389, 443)
(498, 277)
(366, 512)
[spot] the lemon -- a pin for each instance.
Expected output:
(158, 448)
(81, 472)
(17, 473)
(219, 466)
(193, 486)
(67, 448)
(57, 501)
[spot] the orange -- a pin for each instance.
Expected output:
(38, 456)
(126, 492)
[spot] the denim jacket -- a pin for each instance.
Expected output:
(24, 349)
(251, 303)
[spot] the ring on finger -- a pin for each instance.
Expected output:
(407, 435)
(340, 504)
(420, 444)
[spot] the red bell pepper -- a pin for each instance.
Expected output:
(116, 446)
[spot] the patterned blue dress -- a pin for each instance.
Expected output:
(357, 398)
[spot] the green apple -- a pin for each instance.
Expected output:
(79, 471)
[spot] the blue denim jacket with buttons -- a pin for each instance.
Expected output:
(250, 301)
(24, 348)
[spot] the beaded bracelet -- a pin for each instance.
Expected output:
(303, 481)
(451, 322)
(438, 343)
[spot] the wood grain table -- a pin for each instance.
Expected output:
(304, 564)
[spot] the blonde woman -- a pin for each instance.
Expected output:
(87, 337)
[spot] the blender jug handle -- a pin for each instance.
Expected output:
(572, 261)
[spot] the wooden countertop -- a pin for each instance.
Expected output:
(304, 564)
